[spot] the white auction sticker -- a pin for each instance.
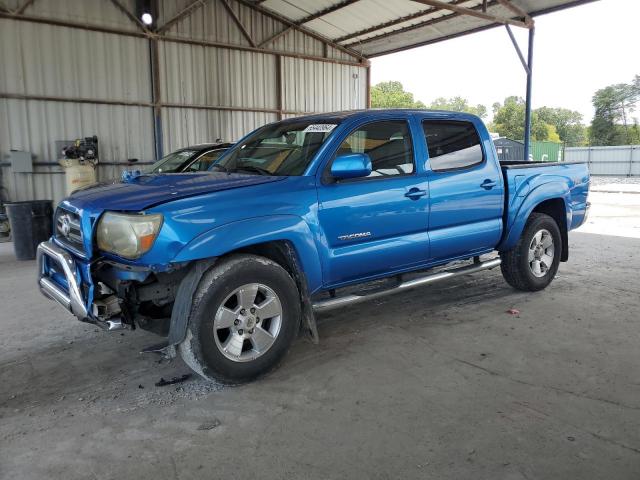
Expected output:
(320, 127)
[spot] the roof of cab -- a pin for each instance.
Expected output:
(337, 117)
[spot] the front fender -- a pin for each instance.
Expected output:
(244, 233)
(520, 208)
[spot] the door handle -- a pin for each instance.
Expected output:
(488, 184)
(415, 193)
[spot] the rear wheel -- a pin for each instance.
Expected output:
(245, 315)
(533, 262)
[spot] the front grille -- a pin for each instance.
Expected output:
(68, 229)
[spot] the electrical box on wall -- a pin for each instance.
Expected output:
(21, 161)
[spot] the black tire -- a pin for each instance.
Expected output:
(515, 266)
(200, 351)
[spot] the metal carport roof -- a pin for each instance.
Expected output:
(369, 28)
(378, 27)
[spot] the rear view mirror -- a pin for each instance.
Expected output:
(351, 165)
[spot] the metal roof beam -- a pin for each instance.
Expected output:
(174, 39)
(20, 10)
(414, 27)
(308, 18)
(300, 28)
(392, 23)
(238, 22)
(517, 10)
(130, 15)
(185, 12)
(275, 36)
(473, 13)
(518, 51)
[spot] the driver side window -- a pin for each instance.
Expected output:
(388, 144)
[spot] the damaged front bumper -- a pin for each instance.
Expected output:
(60, 279)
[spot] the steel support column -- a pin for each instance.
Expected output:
(368, 87)
(527, 111)
(279, 94)
(155, 96)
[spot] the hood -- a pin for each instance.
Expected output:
(145, 191)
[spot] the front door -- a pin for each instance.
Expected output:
(377, 224)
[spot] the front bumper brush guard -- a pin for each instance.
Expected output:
(71, 300)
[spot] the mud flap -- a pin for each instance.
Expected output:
(308, 316)
(184, 299)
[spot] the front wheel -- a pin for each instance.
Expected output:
(533, 262)
(245, 315)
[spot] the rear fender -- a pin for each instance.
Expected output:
(521, 208)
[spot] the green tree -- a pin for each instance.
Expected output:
(392, 95)
(612, 122)
(567, 123)
(508, 120)
(458, 104)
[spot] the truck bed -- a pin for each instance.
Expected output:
(528, 183)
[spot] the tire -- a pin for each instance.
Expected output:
(519, 264)
(226, 339)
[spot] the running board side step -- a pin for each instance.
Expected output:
(331, 303)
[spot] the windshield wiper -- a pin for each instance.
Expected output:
(253, 168)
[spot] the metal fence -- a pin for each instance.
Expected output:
(620, 161)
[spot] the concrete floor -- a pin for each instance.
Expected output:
(437, 383)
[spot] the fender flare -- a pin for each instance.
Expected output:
(204, 250)
(536, 195)
(251, 231)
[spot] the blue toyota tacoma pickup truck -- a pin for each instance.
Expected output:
(229, 265)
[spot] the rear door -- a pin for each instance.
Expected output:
(466, 190)
(377, 224)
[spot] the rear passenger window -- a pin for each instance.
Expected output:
(388, 145)
(452, 145)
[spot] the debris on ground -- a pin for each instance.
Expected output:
(210, 424)
(173, 381)
(513, 311)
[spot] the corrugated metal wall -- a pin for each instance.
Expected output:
(93, 82)
(622, 161)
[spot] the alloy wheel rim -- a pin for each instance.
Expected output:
(247, 322)
(541, 253)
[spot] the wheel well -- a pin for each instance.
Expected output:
(284, 254)
(277, 251)
(555, 208)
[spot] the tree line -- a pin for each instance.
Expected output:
(612, 124)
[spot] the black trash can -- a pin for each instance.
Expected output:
(31, 223)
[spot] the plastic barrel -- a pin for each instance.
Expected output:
(31, 223)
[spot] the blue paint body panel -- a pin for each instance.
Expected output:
(345, 232)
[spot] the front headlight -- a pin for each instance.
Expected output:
(128, 235)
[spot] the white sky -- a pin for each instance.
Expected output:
(576, 52)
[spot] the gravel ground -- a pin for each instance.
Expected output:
(605, 179)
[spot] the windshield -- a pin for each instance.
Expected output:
(171, 162)
(279, 149)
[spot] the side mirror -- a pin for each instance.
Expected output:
(351, 165)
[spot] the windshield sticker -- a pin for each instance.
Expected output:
(320, 127)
